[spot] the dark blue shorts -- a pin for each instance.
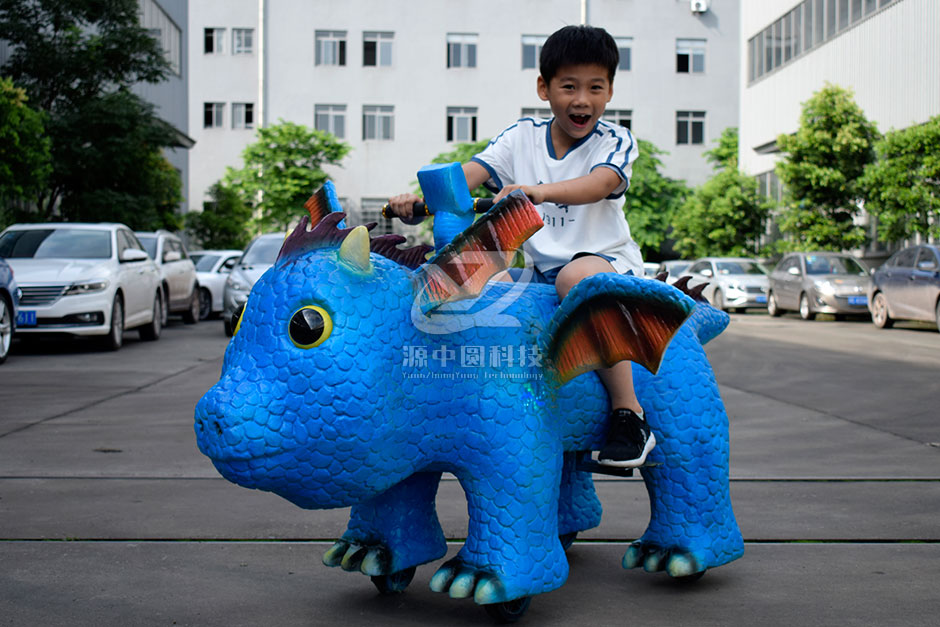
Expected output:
(549, 276)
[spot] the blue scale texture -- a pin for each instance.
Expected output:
(361, 421)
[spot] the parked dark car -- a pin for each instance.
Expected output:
(818, 282)
(907, 287)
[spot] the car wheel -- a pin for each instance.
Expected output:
(937, 315)
(805, 312)
(165, 309)
(879, 312)
(227, 324)
(772, 308)
(191, 315)
(205, 303)
(718, 299)
(6, 328)
(151, 331)
(114, 340)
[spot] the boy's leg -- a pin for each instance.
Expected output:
(629, 438)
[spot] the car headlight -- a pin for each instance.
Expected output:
(235, 283)
(735, 287)
(87, 287)
(825, 287)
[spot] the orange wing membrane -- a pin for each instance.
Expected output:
(608, 318)
(462, 268)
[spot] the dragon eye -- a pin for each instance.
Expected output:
(310, 326)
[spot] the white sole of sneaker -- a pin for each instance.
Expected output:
(631, 463)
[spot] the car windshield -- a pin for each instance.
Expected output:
(149, 243)
(676, 267)
(834, 265)
(62, 243)
(263, 251)
(204, 262)
(741, 266)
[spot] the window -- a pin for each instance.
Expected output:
(330, 48)
(690, 56)
(377, 48)
(624, 45)
(242, 40)
(461, 49)
(378, 122)
(372, 212)
(531, 49)
(243, 115)
(330, 118)
(213, 40)
(164, 30)
(690, 127)
(212, 114)
(461, 124)
(623, 117)
(926, 260)
(540, 112)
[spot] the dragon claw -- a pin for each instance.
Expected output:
(462, 581)
(653, 558)
(351, 557)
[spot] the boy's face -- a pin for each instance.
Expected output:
(578, 95)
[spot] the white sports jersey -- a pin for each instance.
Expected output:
(523, 154)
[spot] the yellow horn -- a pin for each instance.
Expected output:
(354, 250)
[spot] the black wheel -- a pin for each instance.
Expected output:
(191, 315)
(6, 328)
(772, 307)
(114, 340)
(394, 583)
(227, 325)
(805, 312)
(690, 578)
(205, 303)
(718, 299)
(166, 306)
(879, 312)
(509, 611)
(151, 331)
(567, 539)
(937, 315)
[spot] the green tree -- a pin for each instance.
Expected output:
(724, 216)
(24, 151)
(282, 168)
(902, 188)
(824, 160)
(652, 200)
(76, 59)
(223, 221)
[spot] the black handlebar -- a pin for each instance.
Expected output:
(480, 205)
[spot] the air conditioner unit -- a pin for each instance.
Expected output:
(699, 6)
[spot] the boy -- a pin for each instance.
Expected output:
(575, 168)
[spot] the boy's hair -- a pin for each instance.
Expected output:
(578, 45)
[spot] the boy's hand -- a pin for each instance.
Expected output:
(534, 192)
(402, 205)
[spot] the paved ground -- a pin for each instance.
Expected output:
(110, 516)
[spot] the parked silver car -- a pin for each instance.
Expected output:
(177, 274)
(9, 306)
(673, 269)
(259, 256)
(819, 282)
(735, 283)
(907, 287)
(212, 269)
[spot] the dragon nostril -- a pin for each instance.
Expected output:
(218, 428)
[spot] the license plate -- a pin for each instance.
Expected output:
(858, 300)
(762, 299)
(26, 319)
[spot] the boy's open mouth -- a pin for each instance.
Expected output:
(580, 120)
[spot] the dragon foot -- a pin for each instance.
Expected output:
(677, 562)
(373, 560)
(462, 581)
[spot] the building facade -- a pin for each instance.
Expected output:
(886, 51)
(402, 82)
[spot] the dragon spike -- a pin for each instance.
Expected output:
(325, 234)
(462, 268)
(322, 203)
(354, 251)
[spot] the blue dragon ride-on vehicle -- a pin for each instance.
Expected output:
(361, 371)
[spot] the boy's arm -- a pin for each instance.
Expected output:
(402, 204)
(584, 190)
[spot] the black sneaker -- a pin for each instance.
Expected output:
(629, 440)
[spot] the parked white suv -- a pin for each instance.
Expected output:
(83, 279)
(177, 274)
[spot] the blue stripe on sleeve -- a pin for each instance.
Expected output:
(489, 169)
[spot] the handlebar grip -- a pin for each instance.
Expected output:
(419, 209)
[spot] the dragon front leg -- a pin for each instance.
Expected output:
(512, 549)
(394, 531)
